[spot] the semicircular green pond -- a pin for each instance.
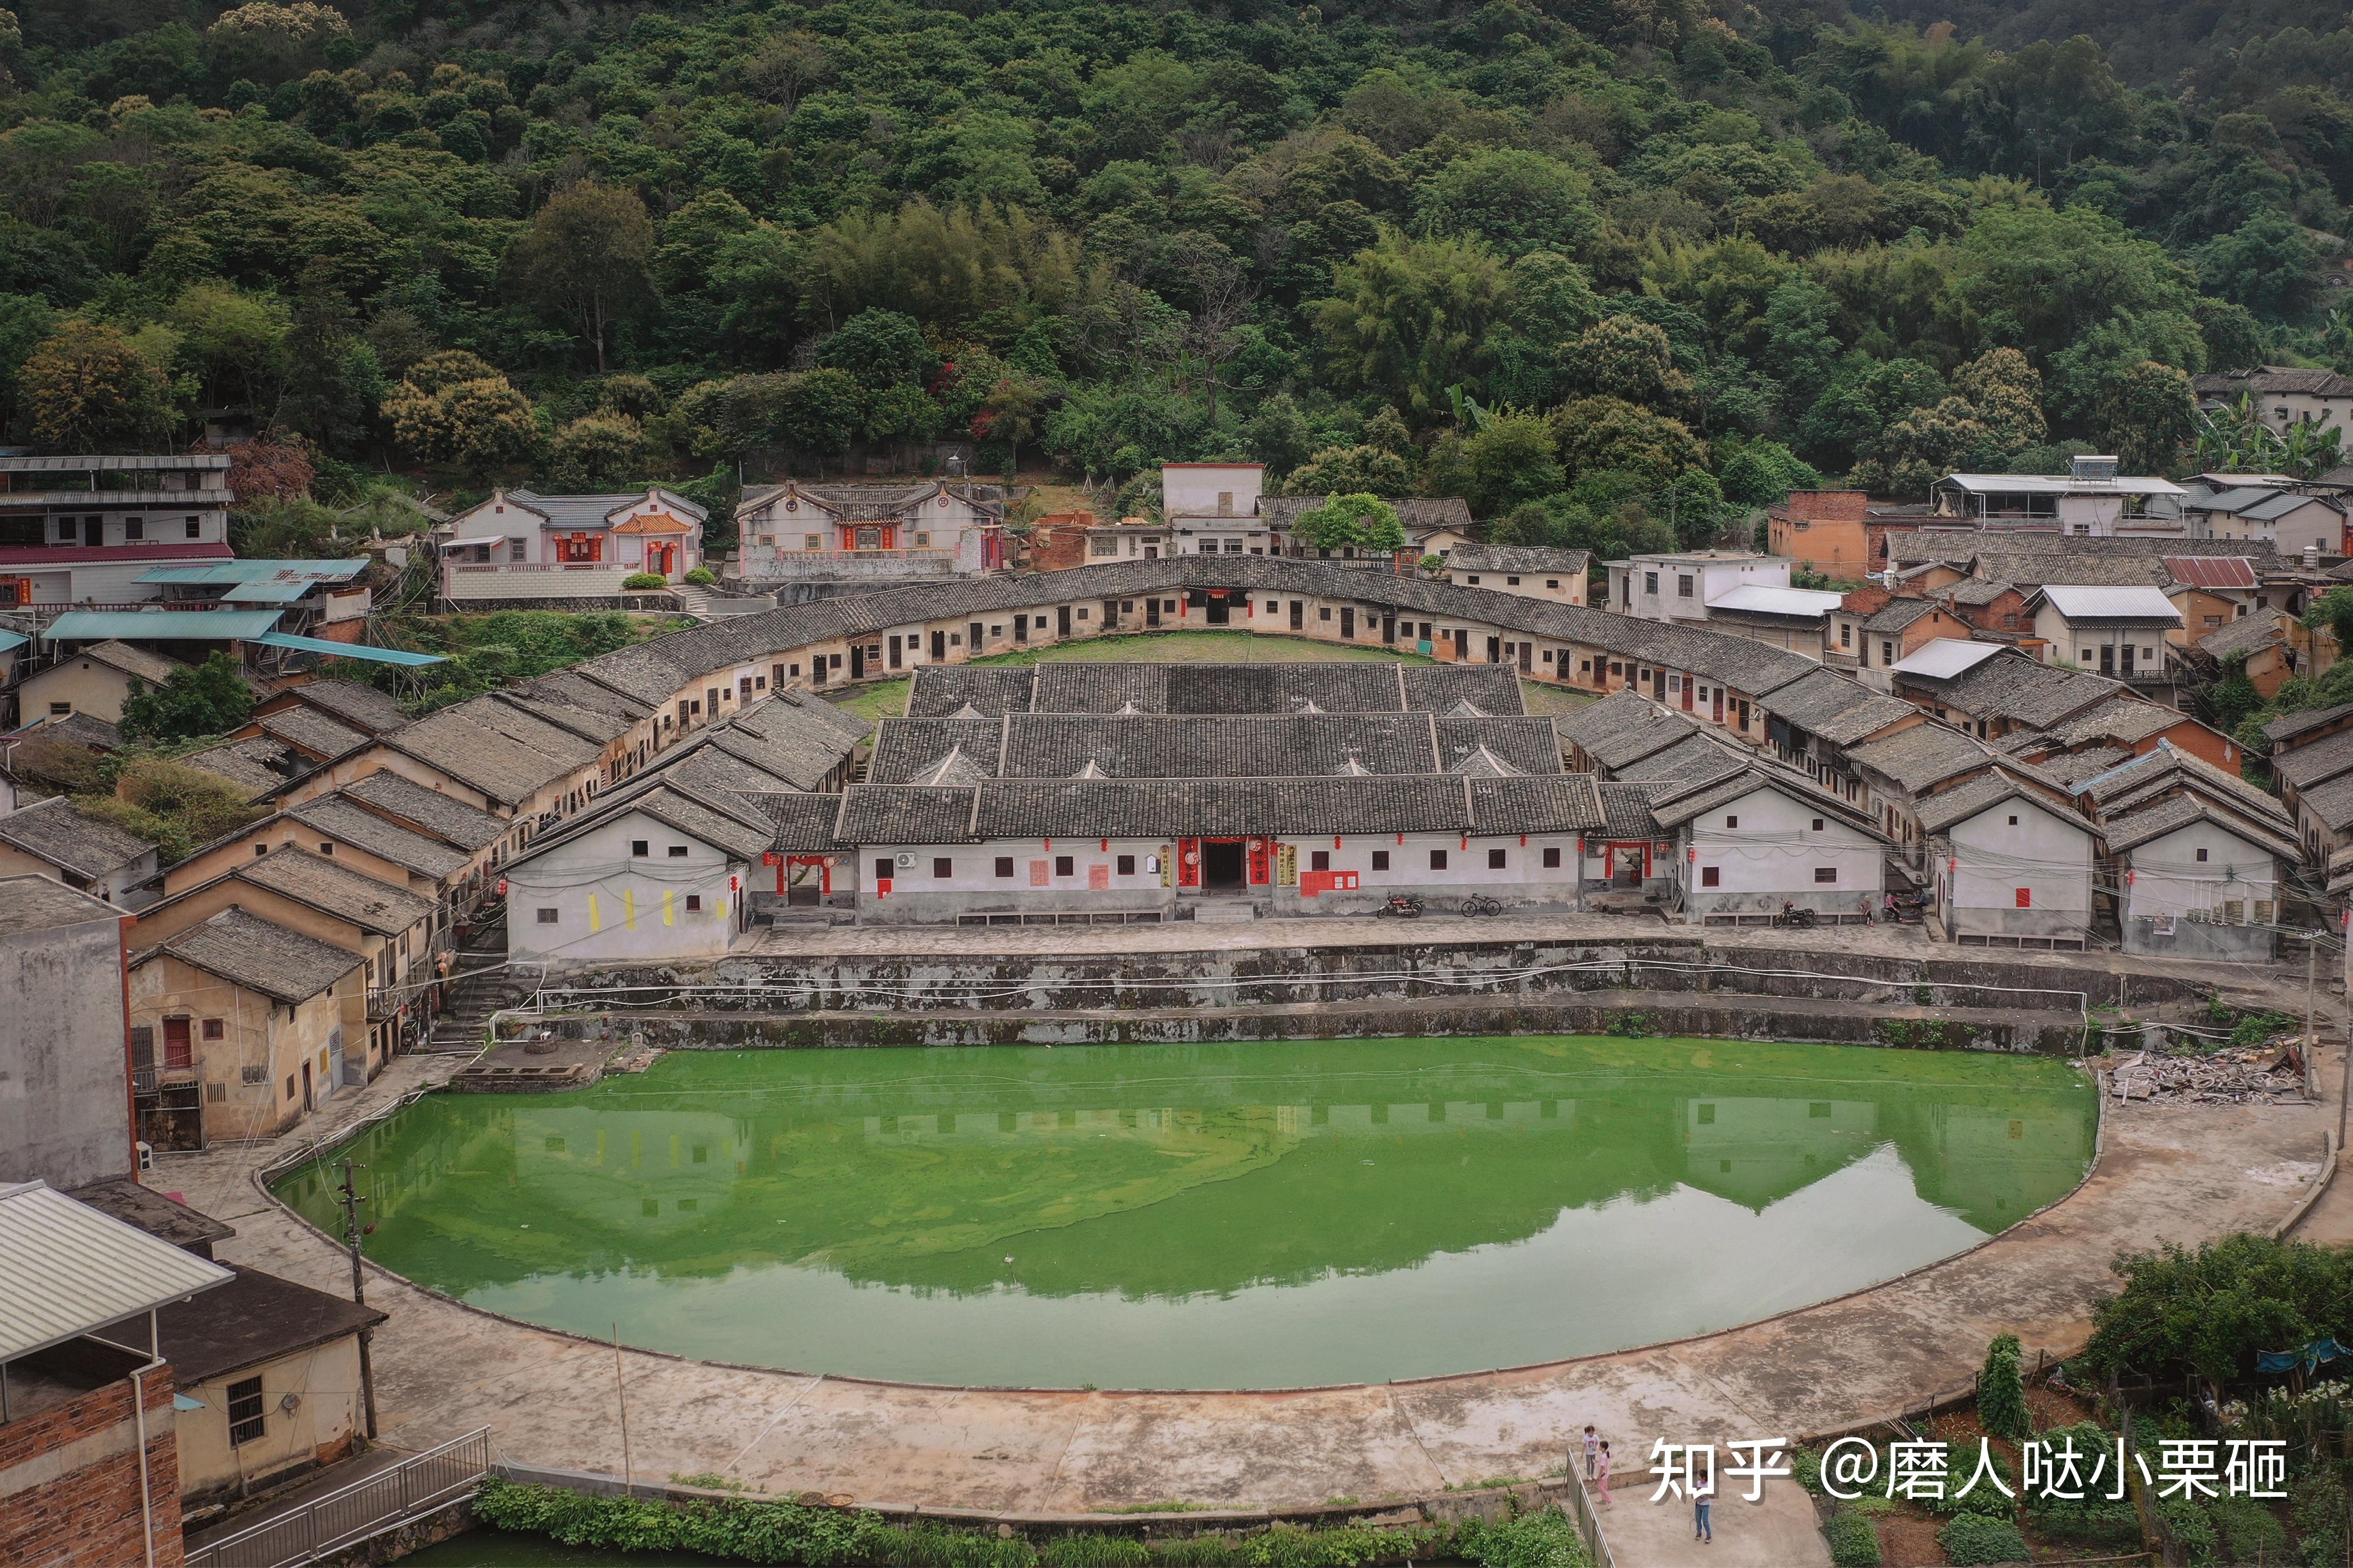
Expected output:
(1244, 1215)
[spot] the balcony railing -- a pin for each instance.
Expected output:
(541, 566)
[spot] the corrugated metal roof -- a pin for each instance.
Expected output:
(1763, 598)
(1946, 658)
(256, 570)
(2212, 570)
(2082, 604)
(274, 592)
(162, 625)
(12, 639)
(113, 465)
(346, 649)
(2037, 484)
(67, 1269)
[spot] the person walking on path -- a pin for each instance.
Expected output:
(1702, 1527)
(1601, 1472)
(1592, 1450)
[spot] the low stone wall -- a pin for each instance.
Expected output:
(653, 603)
(415, 1536)
(1276, 976)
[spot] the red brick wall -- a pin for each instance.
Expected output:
(88, 1518)
(1058, 541)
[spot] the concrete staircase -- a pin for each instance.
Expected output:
(479, 985)
(704, 605)
(576, 582)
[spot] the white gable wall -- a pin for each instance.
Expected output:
(2167, 881)
(612, 906)
(2011, 846)
(1774, 855)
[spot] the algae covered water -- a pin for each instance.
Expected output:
(1222, 1216)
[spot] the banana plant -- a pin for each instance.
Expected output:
(2310, 450)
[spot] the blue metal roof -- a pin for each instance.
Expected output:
(265, 592)
(160, 625)
(347, 649)
(12, 640)
(256, 570)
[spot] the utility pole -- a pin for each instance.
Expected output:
(2311, 1030)
(621, 1389)
(352, 1234)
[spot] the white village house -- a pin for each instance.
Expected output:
(523, 545)
(933, 528)
(2012, 863)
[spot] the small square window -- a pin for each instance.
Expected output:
(1817, 824)
(638, 847)
(290, 1086)
(1732, 822)
(59, 709)
(215, 1028)
(1319, 861)
(1005, 865)
(1065, 865)
(133, 528)
(2013, 821)
(325, 848)
(1552, 859)
(695, 903)
(195, 529)
(1380, 860)
(547, 916)
(1707, 874)
(2202, 854)
(678, 851)
(1127, 865)
(942, 867)
(1438, 859)
(1494, 859)
(1825, 873)
(1324, 613)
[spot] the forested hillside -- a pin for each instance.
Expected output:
(1591, 263)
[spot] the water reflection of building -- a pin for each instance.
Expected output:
(638, 1171)
(1755, 1152)
(1171, 1121)
(1993, 1167)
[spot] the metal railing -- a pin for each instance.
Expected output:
(1588, 1522)
(385, 1501)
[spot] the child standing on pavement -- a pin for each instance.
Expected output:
(1592, 1450)
(1601, 1472)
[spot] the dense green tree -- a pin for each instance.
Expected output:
(1619, 356)
(584, 259)
(820, 411)
(601, 451)
(1598, 434)
(1408, 319)
(1351, 523)
(880, 348)
(456, 407)
(207, 699)
(90, 387)
(1510, 458)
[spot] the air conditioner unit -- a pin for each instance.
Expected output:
(147, 1156)
(906, 856)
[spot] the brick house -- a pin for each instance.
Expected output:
(1822, 530)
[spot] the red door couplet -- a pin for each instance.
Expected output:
(1188, 862)
(1261, 856)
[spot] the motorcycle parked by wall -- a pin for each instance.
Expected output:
(1402, 906)
(1791, 915)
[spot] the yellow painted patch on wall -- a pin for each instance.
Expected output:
(670, 909)
(595, 924)
(629, 907)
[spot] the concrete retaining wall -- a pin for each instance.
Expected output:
(1400, 971)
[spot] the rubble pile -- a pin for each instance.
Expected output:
(2261, 1075)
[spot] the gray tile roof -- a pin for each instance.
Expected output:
(259, 954)
(257, 765)
(496, 748)
(152, 667)
(404, 799)
(363, 706)
(2288, 726)
(1085, 687)
(1837, 708)
(1526, 560)
(337, 890)
(53, 830)
(804, 822)
(2330, 804)
(2126, 720)
(594, 511)
(1491, 689)
(1921, 756)
(1622, 728)
(2131, 829)
(1898, 614)
(1702, 759)
(942, 690)
(2315, 761)
(1217, 745)
(2249, 634)
(1529, 744)
(2038, 567)
(311, 731)
(905, 747)
(1626, 810)
(37, 903)
(2168, 767)
(354, 825)
(1127, 808)
(2019, 689)
(1949, 807)
(727, 826)
(2270, 378)
(79, 729)
(2074, 768)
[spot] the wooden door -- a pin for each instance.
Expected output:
(179, 1052)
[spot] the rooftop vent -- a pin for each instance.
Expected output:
(2090, 468)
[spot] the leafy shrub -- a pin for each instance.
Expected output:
(2316, 1507)
(1984, 1497)
(2213, 1309)
(2193, 1531)
(1546, 1540)
(2092, 1520)
(1853, 1542)
(2251, 1532)
(835, 1538)
(702, 577)
(636, 580)
(1973, 1540)
(2001, 1391)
